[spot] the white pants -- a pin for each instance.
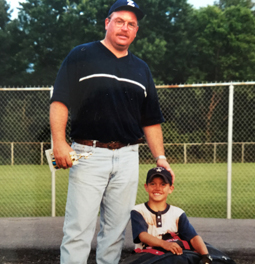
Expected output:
(107, 180)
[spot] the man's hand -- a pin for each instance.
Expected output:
(163, 163)
(154, 138)
(173, 247)
(61, 152)
(58, 121)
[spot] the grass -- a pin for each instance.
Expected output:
(200, 189)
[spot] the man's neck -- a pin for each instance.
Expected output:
(118, 53)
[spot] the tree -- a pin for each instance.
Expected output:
(223, 4)
(53, 28)
(13, 63)
(225, 51)
(225, 44)
(163, 39)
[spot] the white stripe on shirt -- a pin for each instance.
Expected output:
(114, 77)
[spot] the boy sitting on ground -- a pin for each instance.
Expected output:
(155, 221)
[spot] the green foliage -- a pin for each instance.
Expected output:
(13, 61)
(53, 28)
(4, 15)
(223, 4)
(225, 44)
(165, 27)
(180, 44)
(27, 114)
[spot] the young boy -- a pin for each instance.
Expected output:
(153, 221)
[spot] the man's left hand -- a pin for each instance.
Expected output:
(163, 163)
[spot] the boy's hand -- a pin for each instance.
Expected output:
(173, 247)
(206, 259)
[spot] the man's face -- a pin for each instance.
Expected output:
(121, 29)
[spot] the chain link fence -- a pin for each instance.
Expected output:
(195, 139)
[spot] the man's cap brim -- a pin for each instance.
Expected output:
(139, 14)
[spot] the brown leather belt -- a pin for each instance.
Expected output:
(109, 145)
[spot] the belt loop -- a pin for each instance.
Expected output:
(94, 143)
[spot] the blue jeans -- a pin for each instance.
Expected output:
(108, 181)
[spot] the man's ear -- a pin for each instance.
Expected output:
(146, 187)
(106, 22)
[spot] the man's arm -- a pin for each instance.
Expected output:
(58, 121)
(154, 138)
(156, 242)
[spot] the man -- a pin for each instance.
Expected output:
(113, 102)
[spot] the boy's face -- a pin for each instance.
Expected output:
(158, 189)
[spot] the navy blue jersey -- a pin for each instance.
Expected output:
(110, 98)
(172, 219)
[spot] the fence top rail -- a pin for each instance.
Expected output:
(205, 84)
(49, 88)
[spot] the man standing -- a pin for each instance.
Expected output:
(113, 103)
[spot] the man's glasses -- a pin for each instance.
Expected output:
(119, 23)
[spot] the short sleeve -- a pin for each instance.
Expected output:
(138, 225)
(185, 229)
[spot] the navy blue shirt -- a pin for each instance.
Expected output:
(110, 98)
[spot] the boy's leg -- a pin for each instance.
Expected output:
(118, 200)
(87, 182)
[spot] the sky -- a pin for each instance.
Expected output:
(196, 3)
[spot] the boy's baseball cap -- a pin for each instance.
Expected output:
(128, 5)
(159, 171)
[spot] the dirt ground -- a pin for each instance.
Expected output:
(53, 257)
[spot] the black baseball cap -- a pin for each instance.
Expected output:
(128, 5)
(159, 171)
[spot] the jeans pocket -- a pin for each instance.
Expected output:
(82, 150)
(134, 148)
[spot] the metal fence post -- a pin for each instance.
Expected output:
(41, 153)
(12, 153)
(185, 153)
(230, 142)
(53, 179)
(243, 152)
(214, 152)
